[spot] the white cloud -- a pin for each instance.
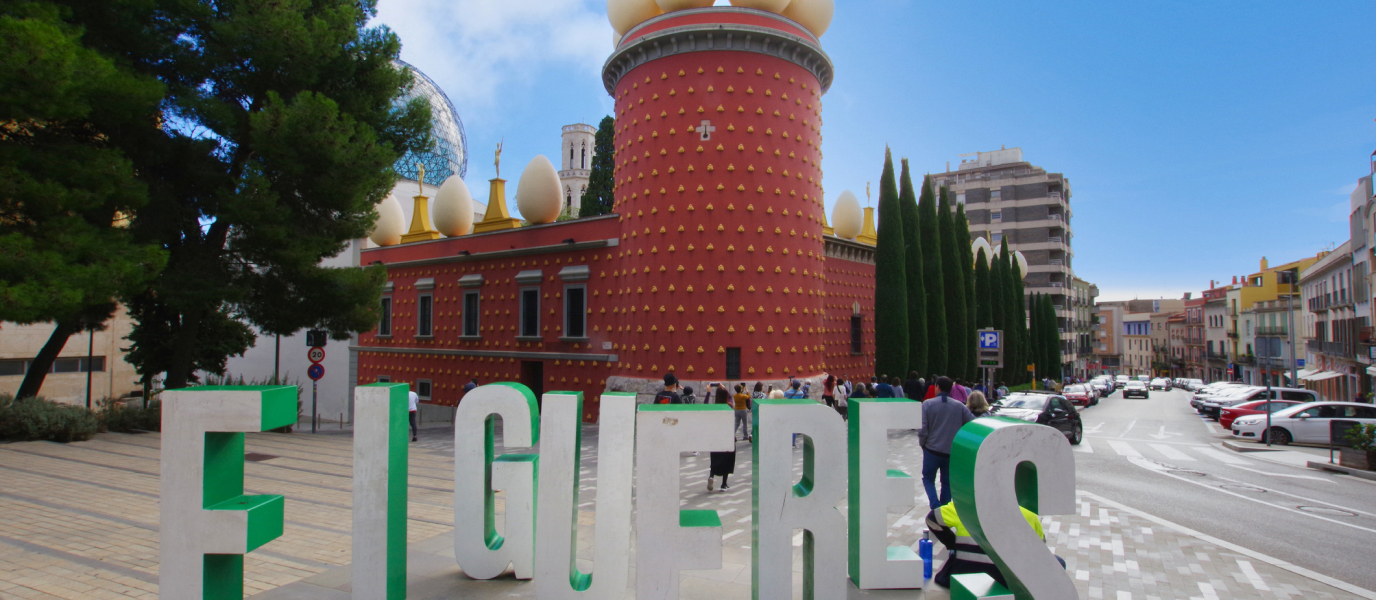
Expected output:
(479, 49)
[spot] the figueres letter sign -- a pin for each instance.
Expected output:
(208, 523)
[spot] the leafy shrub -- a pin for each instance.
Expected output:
(120, 417)
(38, 419)
(272, 380)
(1362, 437)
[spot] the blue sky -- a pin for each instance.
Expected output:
(1198, 137)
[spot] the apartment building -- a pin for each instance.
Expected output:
(1333, 323)
(1194, 337)
(1160, 344)
(1266, 357)
(1084, 319)
(1004, 195)
(1108, 346)
(1136, 344)
(1175, 344)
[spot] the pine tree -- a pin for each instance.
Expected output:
(953, 288)
(917, 294)
(276, 142)
(930, 236)
(891, 285)
(64, 255)
(967, 268)
(600, 198)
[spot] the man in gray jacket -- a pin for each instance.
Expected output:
(942, 418)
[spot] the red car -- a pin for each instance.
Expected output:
(1255, 407)
(1080, 395)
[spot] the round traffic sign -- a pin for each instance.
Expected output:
(316, 354)
(315, 372)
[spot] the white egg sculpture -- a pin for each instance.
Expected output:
(847, 219)
(625, 14)
(537, 194)
(391, 222)
(982, 245)
(815, 15)
(673, 5)
(452, 208)
(774, 6)
(1022, 263)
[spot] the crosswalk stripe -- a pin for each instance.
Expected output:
(1172, 453)
(1222, 457)
(1124, 449)
(1083, 447)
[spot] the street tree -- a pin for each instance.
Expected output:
(64, 189)
(275, 144)
(938, 349)
(984, 311)
(953, 288)
(599, 199)
(917, 290)
(967, 267)
(891, 286)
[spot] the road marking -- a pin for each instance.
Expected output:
(1285, 475)
(1171, 453)
(1095, 429)
(1083, 447)
(732, 534)
(1124, 449)
(1208, 539)
(1222, 457)
(1163, 434)
(1130, 426)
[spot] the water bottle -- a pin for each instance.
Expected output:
(924, 550)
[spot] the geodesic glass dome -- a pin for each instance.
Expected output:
(450, 154)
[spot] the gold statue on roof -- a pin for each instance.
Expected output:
(498, 161)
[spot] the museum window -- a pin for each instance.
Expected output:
(77, 365)
(384, 379)
(575, 311)
(530, 312)
(470, 314)
(857, 340)
(13, 367)
(424, 388)
(425, 322)
(384, 325)
(733, 363)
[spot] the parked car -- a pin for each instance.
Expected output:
(1252, 407)
(1135, 388)
(1103, 384)
(1143, 378)
(1306, 423)
(1160, 383)
(1052, 410)
(1080, 395)
(1120, 381)
(1194, 385)
(1212, 407)
(1212, 389)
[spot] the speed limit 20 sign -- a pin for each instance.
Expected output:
(316, 355)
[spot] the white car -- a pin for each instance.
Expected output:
(1160, 383)
(1306, 423)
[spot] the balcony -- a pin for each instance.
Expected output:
(1055, 261)
(1246, 359)
(1055, 239)
(1337, 349)
(1056, 217)
(1215, 355)
(1232, 332)
(1276, 330)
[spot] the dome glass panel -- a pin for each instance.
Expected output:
(449, 156)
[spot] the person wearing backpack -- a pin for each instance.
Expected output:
(669, 395)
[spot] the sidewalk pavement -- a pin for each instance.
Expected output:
(81, 521)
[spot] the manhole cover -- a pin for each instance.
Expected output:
(256, 457)
(1187, 472)
(1243, 488)
(1324, 510)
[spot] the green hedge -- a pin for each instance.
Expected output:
(38, 419)
(123, 418)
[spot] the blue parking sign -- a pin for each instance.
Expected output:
(989, 340)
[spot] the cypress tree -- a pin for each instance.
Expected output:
(1018, 296)
(599, 198)
(984, 313)
(999, 309)
(1053, 336)
(891, 286)
(953, 288)
(917, 294)
(930, 237)
(1034, 327)
(967, 268)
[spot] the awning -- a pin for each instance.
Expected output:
(1305, 373)
(1371, 370)
(1322, 375)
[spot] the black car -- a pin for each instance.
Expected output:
(1136, 388)
(1053, 410)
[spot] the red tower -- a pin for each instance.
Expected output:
(719, 273)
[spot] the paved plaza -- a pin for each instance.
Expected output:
(81, 521)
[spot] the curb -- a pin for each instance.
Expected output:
(1323, 466)
(1245, 449)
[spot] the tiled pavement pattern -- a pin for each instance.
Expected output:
(81, 521)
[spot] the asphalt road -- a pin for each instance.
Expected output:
(1159, 457)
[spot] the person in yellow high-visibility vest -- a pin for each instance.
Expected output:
(964, 554)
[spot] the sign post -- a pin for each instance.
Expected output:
(315, 372)
(316, 353)
(989, 353)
